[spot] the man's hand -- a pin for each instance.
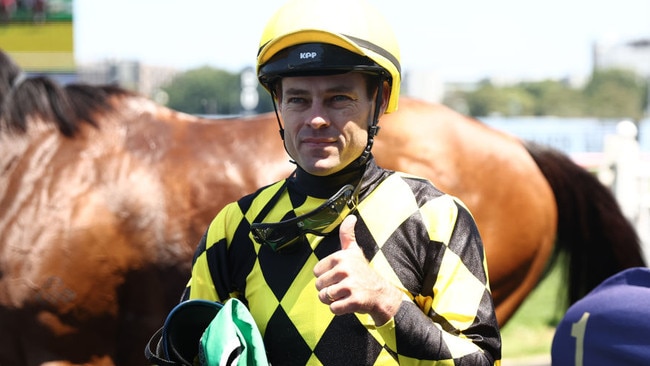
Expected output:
(346, 282)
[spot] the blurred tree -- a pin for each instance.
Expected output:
(210, 91)
(507, 101)
(482, 101)
(609, 94)
(615, 93)
(204, 91)
(555, 98)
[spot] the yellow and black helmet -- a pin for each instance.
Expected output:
(316, 37)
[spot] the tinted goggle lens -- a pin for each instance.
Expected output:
(321, 221)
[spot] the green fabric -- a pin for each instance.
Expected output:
(232, 338)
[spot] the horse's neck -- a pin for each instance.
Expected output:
(17, 145)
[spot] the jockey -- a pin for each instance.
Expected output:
(344, 262)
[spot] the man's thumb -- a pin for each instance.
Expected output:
(346, 232)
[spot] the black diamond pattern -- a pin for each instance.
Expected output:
(354, 345)
(328, 245)
(282, 267)
(283, 342)
(366, 240)
(466, 251)
(407, 255)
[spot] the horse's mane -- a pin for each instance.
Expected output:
(40, 96)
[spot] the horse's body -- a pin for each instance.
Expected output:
(97, 229)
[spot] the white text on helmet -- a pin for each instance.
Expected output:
(304, 55)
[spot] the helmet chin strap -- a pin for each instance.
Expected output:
(373, 127)
(277, 115)
(281, 130)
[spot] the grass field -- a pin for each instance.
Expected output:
(530, 331)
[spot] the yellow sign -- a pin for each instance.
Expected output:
(38, 34)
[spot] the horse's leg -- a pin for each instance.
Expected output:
(592, 230)
(145, 298)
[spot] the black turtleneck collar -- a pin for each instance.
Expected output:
(326, 186)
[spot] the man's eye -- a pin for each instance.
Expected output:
(295, 100)
(340, 98)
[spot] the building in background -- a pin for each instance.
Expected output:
(133, 75)
(629, 54)
(423, 84)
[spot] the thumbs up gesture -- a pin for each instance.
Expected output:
(346, 234)
(347, 283)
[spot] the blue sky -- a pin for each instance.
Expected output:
(461, 40)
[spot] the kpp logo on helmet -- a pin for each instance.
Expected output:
(306, 55)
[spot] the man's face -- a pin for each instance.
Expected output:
(325, 120)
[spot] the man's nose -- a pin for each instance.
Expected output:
(318, 117)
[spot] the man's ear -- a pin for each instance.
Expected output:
(385, 95)
(277, 92)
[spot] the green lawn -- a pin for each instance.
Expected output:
(530, 331)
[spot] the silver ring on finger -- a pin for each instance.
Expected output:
(327, 294)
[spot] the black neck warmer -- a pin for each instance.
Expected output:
(326, 186)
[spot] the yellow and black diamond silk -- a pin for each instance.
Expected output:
(423, 241)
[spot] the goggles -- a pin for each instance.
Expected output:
(321, 221)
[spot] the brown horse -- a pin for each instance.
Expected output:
(104, 194)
